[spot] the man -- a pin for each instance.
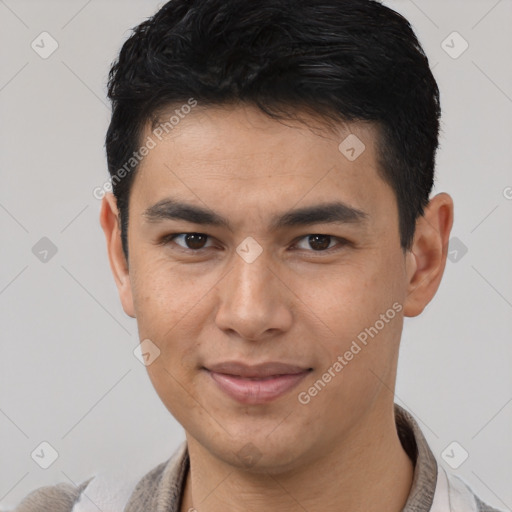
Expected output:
(270, 227)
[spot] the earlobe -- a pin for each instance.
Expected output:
(426, 260)
(110, 223)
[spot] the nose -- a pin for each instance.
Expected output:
(254, 302)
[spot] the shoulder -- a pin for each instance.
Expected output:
(52, 498)
(111, 490)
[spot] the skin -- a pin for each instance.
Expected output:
(293, 304)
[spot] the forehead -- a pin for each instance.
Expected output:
(211, 153)
(230, 130)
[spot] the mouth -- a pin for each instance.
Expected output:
(256, 384)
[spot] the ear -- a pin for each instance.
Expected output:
(426, 260)
(110, 222)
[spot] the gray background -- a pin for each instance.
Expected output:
(68, 375)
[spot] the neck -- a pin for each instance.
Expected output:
(367, 471)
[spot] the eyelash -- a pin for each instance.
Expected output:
(171, 236)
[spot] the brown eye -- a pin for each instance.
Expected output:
(192, 241)
(195, 240)
(319, 243)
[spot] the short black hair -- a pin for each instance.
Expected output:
(341, 60)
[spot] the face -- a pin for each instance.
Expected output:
(283, 248)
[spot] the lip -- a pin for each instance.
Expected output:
(260, 370)
(256, 384)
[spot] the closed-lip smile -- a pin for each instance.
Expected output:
(256, 384)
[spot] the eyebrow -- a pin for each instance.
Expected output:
(330, 213)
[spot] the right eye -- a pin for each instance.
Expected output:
(193, 242)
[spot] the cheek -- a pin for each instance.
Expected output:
(163, 293)
(349, 296)
(359, 308)
(172, 304)
(167, 303)
(362, 313)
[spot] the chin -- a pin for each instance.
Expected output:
(254, 453)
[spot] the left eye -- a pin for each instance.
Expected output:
(196, 241)
(320, 243)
